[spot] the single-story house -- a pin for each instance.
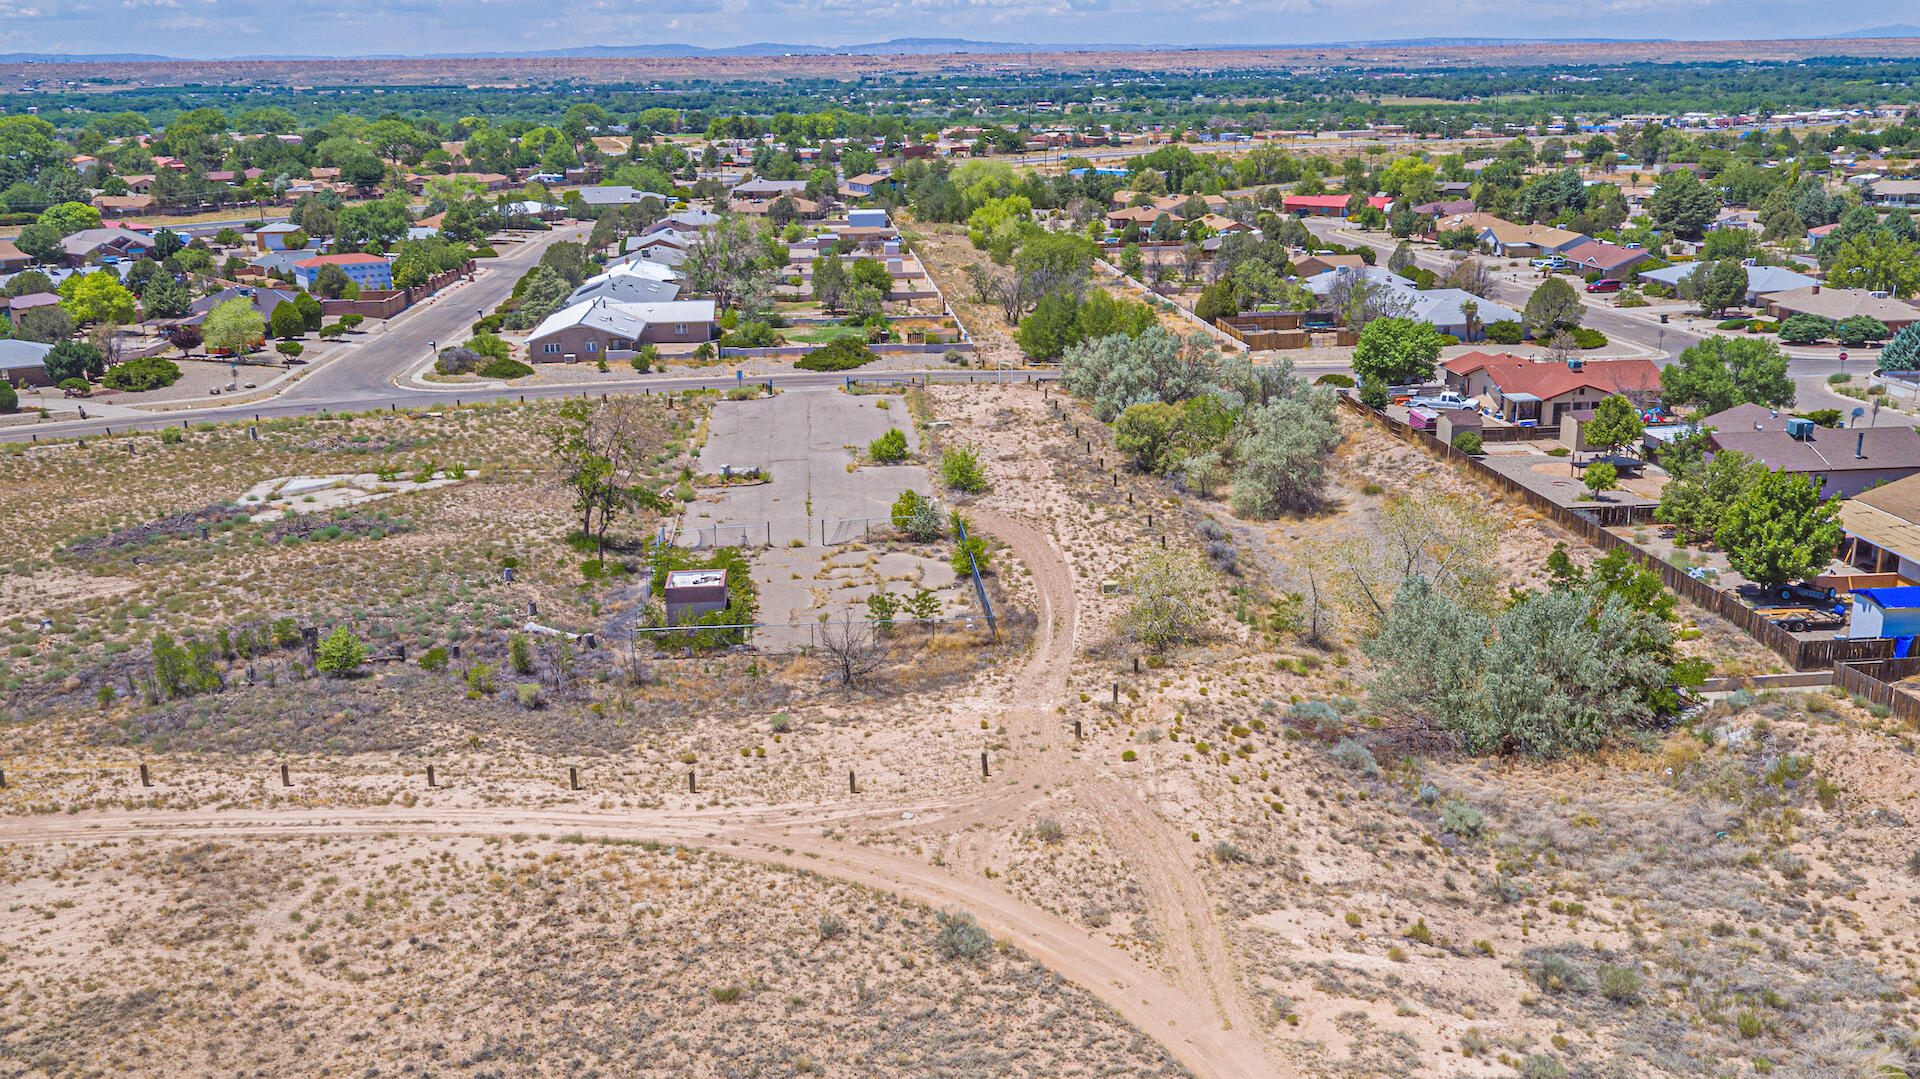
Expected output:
(22, 363)
(1445, 208)
(867, 219)
(279, 263)
(598, 328)
(687, 221)
(98, 245)
(1222, 224)
(1898, 193)
(621, 195)
(1327, 205)
(1760, 279)
(862, 184)
(1846, 461)
(1840, 303)
(1509, 240)
(1882, 526)
(122, 204)
(28, 301)
(1610, 260)
(1540, 392)
(630, 282)
(12, 259)
(367, 271)
(1309, 266)
(758, 188)
(1445, 309)
(264, 300)
(273, 237)
(1143, 216)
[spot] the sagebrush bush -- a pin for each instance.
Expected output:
(1354, 757)
(1462, 820)
(961, 936)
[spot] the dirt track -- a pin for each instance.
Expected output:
(1201, 1019)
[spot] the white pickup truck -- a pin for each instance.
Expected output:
(1447, 400)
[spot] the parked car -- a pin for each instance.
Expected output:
(1543, 263)
(1605, 284)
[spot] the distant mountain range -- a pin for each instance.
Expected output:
(906, 46)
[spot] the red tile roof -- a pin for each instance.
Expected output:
(1547, 380)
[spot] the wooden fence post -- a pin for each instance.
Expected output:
(983, 764)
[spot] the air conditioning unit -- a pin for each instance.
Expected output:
(1799, 428)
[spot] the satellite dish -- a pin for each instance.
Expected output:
(1858, 412)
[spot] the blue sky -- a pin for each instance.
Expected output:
(211, 28)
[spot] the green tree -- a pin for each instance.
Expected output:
(233, 326)
(287, 323)
(1601, 476)
(1780, 529)
(97, 298)
(1616, 423)
(166, 297)
(1116, 371)
(1557, 672)
(9, 398)
(1696, 499)
(341, 654)
(73, 359)
(1682, 205)
(1145, 433)
(1553, 306)
(1857, 330)
(546, 291)
(70, 217)
(1170, 591)
(1806, 329)
(1878, 262)
(1216, 302)
(1902, 352)
(1280, 458)
(829, 282)
(1721, 372)
(1132, 262)
(960, 469)
(1723, 284)
(1396, 351)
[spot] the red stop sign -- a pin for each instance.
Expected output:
(1843, 357)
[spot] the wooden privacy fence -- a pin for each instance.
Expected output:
(1874, 678)
(1590, 525)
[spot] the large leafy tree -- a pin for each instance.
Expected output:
(166, 297)
(1780, 529)
(1554, 673)
(1393, 351)
(73, 359)
(1117, 371)
(1721, 372)
(1879, 262)
(1722, 284)
(234, 326)
(1553, 306)
(599, 451)
(1702, 488)
(1682, 205)
(1280, 456)
(1616, 423)
(97, 297)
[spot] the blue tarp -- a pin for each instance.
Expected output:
(1892, 598)
(1901, 646)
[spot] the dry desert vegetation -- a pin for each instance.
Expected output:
(1050, 850)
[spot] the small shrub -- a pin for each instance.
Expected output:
(1556, 975)
(1541, 1067)
(1353, 920)
(1420, 934)
(434, 659)
(961, 936)
(1229, 854)
(1354, 757)
(341, 654)
(1129, 755)
(960, 469)
(480, 680)
(1620, 984)
(889, 447)
(504, 369)
(1462, 820)
(839, 354)
(1467, 442)
(1587, 338)
(1048, 830)
(520, 653)
(831, 927)
(726, 994)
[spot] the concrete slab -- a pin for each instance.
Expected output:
(805, 440)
